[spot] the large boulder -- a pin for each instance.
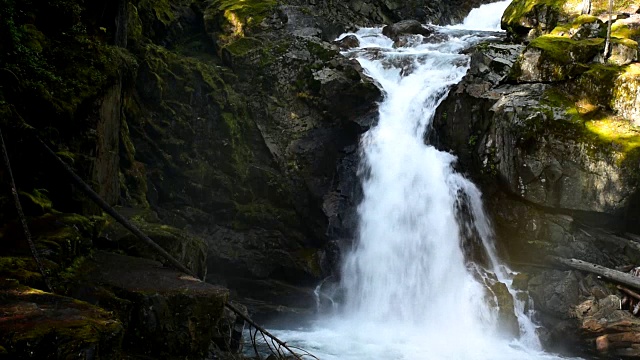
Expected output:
(626, 94)
(41, 325)
(555, 58)
(406, 27)
(526, 19)
(176, 315)
(240, 136)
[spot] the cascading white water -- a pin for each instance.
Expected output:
(411, 292)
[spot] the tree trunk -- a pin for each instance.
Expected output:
(607, 44)
(586, 7)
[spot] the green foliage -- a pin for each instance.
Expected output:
(39, 198)
(243, 45)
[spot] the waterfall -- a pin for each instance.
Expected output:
(419, 282)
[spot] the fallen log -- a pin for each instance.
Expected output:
(612, 275)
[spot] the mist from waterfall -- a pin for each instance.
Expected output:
(419, 281)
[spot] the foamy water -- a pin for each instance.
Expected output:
(411, 292)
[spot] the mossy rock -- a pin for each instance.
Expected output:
(23, 269)
(231, 20)
(626, 94)
(596, 85)
(46, 326)
(524, 20)
(530, 18)
(603, 133)
(184, 247)
(172, 315)
(552, 58)
(59, 239)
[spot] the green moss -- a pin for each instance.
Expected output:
(615, 131)
(588, 124)
(566, 50)
(516, 17)
(320, 51)
(584, 19)
(242, 46)
(23, 269)
(519, 8)
(134, 24)
(624, 31)
(39, 198)
(595, 85)
(60, 325)
(246, 12)
(626, 42)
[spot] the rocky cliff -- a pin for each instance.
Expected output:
(547, 124)
(226, 130)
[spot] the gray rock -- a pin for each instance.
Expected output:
(588, 30)
(623, 53)
(348, 42)
(406, 27)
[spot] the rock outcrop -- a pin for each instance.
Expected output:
(36, 324)
(539, 124)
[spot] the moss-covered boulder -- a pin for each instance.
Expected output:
(524, 20)
(551, 58)
(35, 324)
(527, 19)
(626, 94)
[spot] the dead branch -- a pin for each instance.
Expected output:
(629, 292)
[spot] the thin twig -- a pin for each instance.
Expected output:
(253, 342)
(263, 330)
(267, 342)
(23, 220)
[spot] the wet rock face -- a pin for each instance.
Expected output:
(376, 12)
(243, 140)
(543, 129)
(348, 42)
